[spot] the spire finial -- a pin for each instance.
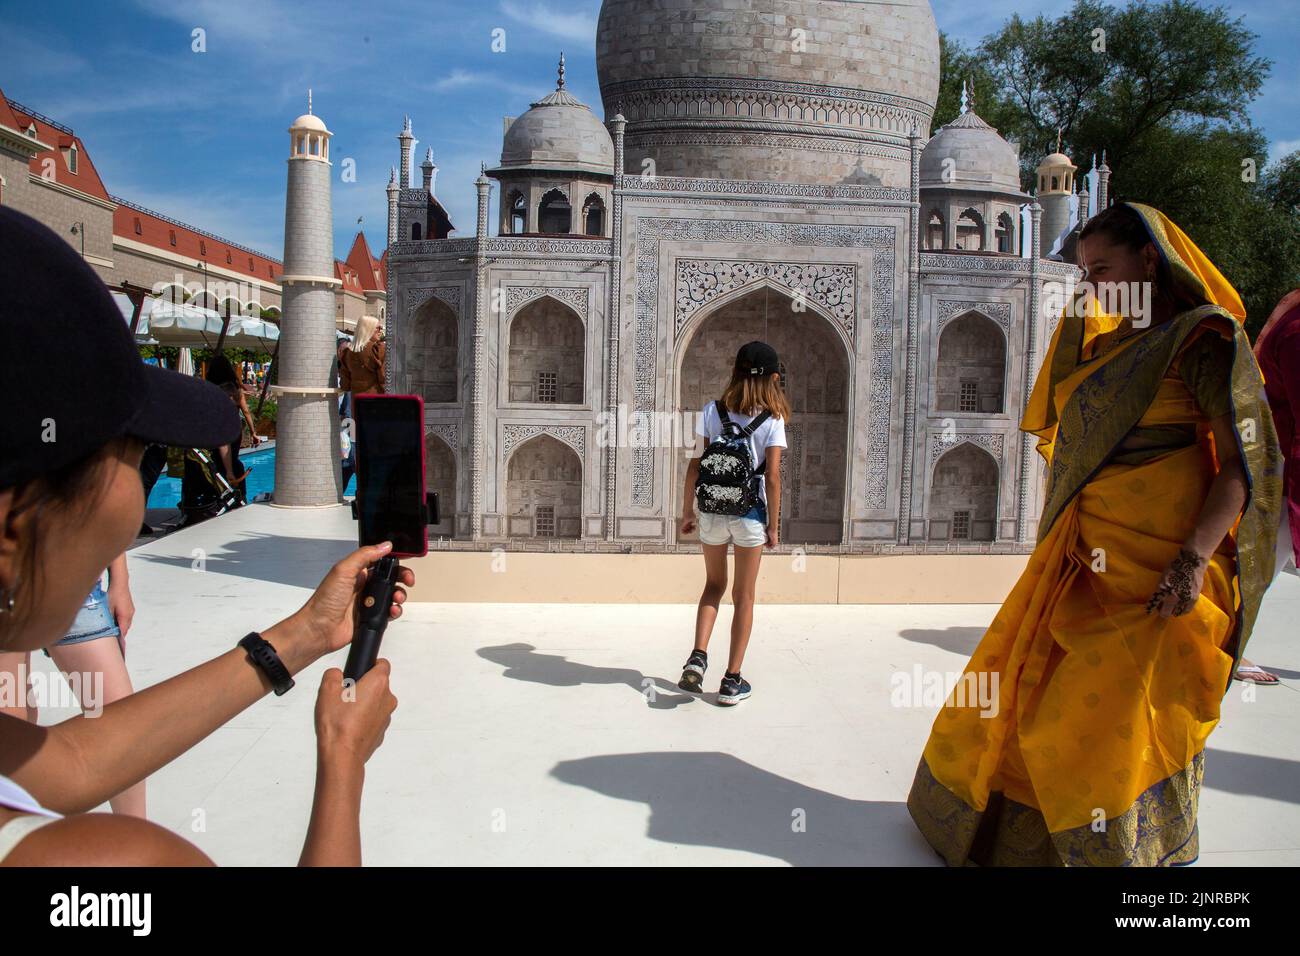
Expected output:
(309, 101)
(964, 97)
(561, 84)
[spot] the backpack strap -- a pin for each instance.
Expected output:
(754, 425)
(727, 424)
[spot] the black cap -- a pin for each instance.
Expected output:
(757, 358)
(72, 377)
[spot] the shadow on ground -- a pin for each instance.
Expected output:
(297, 562)
(1254, 776)
(524, 662)
(959, 640)
(715, 799)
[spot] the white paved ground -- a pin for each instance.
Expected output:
(525, 733)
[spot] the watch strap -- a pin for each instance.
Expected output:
(263, 655)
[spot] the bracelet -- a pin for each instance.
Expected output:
(264, 657)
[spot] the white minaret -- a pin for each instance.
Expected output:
(429, 170)
(405, 138)
(1055, 188)
(392, 206)
(307, 472)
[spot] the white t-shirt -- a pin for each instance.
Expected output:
(770, 434)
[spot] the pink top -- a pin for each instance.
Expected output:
(1279, 360)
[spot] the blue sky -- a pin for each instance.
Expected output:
(202, 136)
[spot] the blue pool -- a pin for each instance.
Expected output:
(261, 479)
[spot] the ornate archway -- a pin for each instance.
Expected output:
(547, 356)
(971, 366)
(432, 352)
(544, 490)
(440, 477)
(964, 495)
(816, 376)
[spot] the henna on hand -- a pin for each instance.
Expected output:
(1180, 581)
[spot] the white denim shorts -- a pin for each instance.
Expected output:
(745, 531)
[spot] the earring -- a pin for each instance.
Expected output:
(6, 601)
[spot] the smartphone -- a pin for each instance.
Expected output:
(389, 446)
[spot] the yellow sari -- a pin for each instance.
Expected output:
(1094, 754)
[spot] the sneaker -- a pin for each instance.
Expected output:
(693, 674)
(733, 690)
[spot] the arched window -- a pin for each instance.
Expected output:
(1005, 234)
(555, 215)
(544, 490)
(964, 495)
(970, 231)
(934, 231)
(547, 354)
(972, 364)
(593, 215)
(415, 230)
(518, 214)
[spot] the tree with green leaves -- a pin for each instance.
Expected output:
(1164, 90)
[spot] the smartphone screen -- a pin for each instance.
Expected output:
(390, 472)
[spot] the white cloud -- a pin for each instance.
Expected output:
(579, 26)
(1281, 148)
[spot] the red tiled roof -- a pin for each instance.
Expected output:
(47, 161)
(363, 262)
(351, 281)
(383, 270)
(153, 229)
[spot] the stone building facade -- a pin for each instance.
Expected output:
(750, 190)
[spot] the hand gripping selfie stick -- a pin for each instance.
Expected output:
(376, 599)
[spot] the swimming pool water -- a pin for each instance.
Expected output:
(261, 480)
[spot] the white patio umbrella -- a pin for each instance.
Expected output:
(185, 362)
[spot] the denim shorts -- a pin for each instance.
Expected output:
(746, 531)
(94, 620)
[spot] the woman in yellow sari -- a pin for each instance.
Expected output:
(1113, 651)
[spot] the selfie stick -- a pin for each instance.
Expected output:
(376, 599)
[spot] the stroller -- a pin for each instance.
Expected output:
(206, 490)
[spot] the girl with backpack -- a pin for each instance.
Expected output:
(734, 485)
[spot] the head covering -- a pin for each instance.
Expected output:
(76, 382)
(1192, 272)
(757, 358)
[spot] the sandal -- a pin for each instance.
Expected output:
(1256, 674)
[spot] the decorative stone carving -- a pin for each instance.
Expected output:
(830, 286)
(417, 297)
(989, 441)
(449, 432)
(749, 103)
(742, 187)
(514, 245)
(575, 436)
(881, 239)
(576, 298)
(949, 309)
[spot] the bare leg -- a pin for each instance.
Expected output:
(102, 656)
(14, 669)
(742, 601)
(715, 585)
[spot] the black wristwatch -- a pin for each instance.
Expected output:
(261, 653)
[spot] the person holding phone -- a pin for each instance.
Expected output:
(70, 502)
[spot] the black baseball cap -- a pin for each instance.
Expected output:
(757, 358)
(73, 379)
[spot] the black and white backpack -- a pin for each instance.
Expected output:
(728, 481)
